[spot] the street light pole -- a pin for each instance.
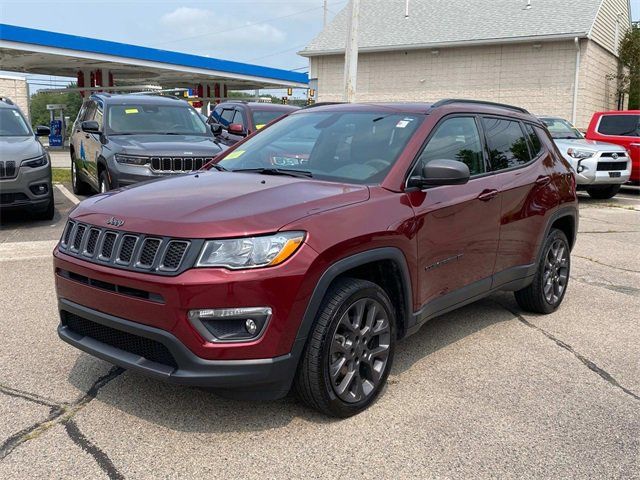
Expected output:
(324, 18)
(351, 55)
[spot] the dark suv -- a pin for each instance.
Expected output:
(317, 243)
(118, 140)
(232, 121)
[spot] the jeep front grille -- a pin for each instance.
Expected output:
(127, 250)
(8, 169)
(178, 164)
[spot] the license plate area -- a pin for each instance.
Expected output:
(614, 174)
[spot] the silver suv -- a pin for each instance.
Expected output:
(25, 167)
(601, 168)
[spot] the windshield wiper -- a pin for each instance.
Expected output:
(278, 171)
(220, 168)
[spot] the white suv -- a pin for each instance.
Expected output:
(601, 168)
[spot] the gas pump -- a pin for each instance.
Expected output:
(57, 125)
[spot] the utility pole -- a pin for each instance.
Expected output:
(324, 18)
(351, 55)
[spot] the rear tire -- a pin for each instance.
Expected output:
(349, 353)
(546, 292)
(603, 193)
(80, 187)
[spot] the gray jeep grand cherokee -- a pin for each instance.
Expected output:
(25, 168)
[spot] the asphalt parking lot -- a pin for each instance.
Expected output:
(482, 392)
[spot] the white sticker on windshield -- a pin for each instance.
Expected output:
(402, 124)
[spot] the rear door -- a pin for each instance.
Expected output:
(522, 167)
(90, 145)
(458, 225)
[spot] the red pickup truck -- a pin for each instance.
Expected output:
(621, 128)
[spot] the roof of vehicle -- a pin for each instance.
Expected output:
(472, 106)
(263, 106)
(7, 103)
(619, 112)
(123, 99)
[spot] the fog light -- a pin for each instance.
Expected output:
(230, 324)
(39, 189)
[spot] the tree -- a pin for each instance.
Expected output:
(629, 80)
(39, 101)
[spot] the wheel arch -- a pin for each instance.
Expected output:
(366, 265)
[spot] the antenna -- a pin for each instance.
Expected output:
(406, 10)
(528, 7)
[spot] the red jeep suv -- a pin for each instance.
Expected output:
(305, 252)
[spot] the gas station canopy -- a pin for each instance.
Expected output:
(101, 63)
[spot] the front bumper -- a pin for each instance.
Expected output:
(595, 171)
(264, 378)
(16, 192)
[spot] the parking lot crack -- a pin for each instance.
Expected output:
(606, 264)
(31, 397)
(101, 458)
(59, 413)
(588, 363)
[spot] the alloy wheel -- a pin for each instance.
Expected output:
(556, 271)
(359, 350)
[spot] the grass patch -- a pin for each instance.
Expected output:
(61, 175)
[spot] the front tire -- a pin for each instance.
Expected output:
(49, 212)
(546, 292)
(103, 182)
(603, 193)
(349, 353)
(78, 185)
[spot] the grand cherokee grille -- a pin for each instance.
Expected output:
(127, 250)
(8, 169)
(178, 164)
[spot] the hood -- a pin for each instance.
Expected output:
(565, 144)
(217, 204)
(19, 148)
(159, 145)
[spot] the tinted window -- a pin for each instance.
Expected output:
(620, 125)
(90, 111)
(227, 116)
(237, 118)
(262, 117)
(506, 142)
(535, 145)
(352, 147)
(12, 123)
(456, 139)
(216, 115)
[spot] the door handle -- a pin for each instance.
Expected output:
(543, 180)
(487, 195)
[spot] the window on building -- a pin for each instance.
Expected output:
(506, 142)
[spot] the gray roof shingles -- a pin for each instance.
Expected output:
(383, 25)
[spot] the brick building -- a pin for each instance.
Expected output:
(16, 89)
(531, 54)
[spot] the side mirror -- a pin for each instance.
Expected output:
(216, 128)
(91, 126)
(236, 129)
(443, 172)
(42, 131)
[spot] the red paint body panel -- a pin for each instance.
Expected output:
(340, 220)
(631, 143)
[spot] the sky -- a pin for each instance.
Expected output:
(264, 32)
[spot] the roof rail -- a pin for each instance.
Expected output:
(7, 100)
(449, 101)
(320, 104)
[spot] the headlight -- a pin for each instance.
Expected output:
(580, 154)
(250, 252)
(35, 162)
(132, 160)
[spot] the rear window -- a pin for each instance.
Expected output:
(262, 117)
(507, 144)
(620, 125)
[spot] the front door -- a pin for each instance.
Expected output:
(458, 225)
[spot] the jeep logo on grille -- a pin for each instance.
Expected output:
(614, 156)
(116, 222)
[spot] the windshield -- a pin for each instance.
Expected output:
(12, 124)
(351, 147)
(262, 117)
(561, 129)
(146, 119)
